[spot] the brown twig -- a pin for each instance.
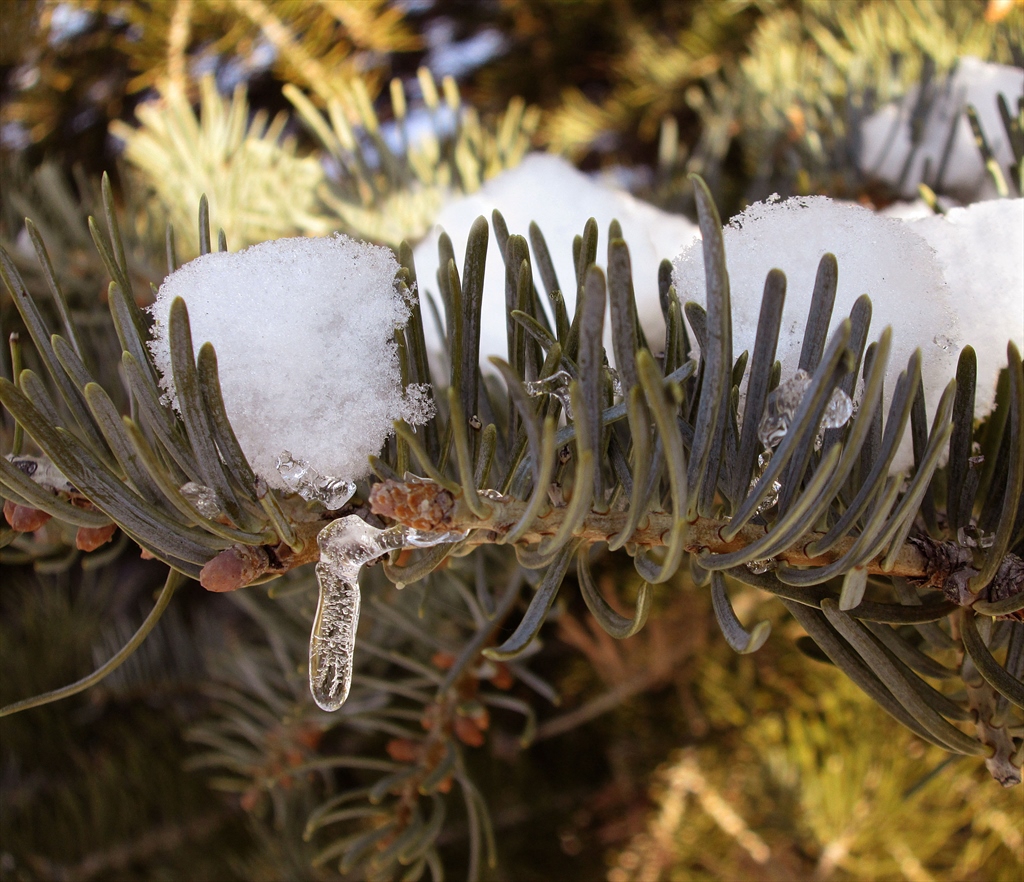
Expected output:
(429, 506)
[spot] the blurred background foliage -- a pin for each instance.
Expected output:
(670, 757)
(746, 87)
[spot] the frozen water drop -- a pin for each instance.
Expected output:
(772, 497)
(300, 477)
(970, 536)
(838, 411)
(784, 402)
(556, 384)
(760, 567)
(779, 409)
(203, 498)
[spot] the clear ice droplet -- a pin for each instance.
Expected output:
(838, 412)
(203, 498)
(779, 409)
(972, 537)
(345, 545)
(772, 497)
(557, 384)
(784, 401)
(300, 477)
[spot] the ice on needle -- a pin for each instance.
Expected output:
(785, 400)
(300, 477)
(304, 333)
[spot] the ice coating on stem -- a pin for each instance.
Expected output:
(424, 539)
(300, 477)
(345, 545)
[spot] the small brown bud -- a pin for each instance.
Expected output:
(404, 750)
(443, 660)
(250, 799)
(468, 732)
(422, 505)
(233, 568)
(24, 518)
(502, 678)
(91, 538)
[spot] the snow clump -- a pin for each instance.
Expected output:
(881, 257)
(941, 282)
(980, 253)
(560, 198)
(887, 144)
(304, 334)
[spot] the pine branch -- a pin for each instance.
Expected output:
(924, 560)
(661, 466)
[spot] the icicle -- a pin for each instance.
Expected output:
(300, 477)
(345, 545)
(203, 498)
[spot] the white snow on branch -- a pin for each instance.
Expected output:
(971, 291)
(560, 198)
(887, 145)
(304, 334)
(980, 250)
